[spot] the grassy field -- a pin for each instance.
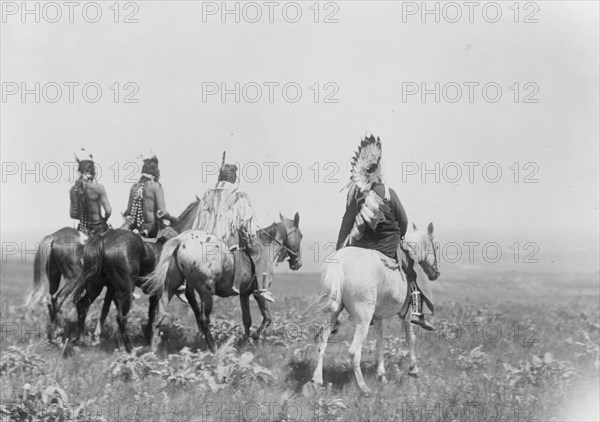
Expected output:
(509, 346)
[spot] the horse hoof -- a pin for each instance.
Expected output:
(310, 389)
(366, 392)
(413, 371)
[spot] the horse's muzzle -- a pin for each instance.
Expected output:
(295, 264)
(434, 276)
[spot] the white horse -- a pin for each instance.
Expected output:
(359, 282)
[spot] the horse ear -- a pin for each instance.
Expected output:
(430, 228)
(297, 220)
(197, 199)
(281, 216)
(414, 226)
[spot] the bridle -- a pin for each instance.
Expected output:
(435, 261)
(285, 252)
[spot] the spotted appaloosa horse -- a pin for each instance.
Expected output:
(359, 282)
(118, 260)
(205, 262)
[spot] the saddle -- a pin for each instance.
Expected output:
(388, 262)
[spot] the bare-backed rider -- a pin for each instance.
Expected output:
(88, 197)
(146, 207)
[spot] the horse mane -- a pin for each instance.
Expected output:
(269, 233)
(191, 207)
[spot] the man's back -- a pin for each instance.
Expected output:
(87, 201)
(95, 193)
(386, 237)
(153, 189)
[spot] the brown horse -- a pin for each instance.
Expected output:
(58, 256)
(206, 263)
(118, 260)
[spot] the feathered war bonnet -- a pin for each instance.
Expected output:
(366, 167)
(365, 171)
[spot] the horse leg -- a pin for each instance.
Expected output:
(246, 316)
(263, 305)
(54, 276)
(207, 304)
(152, 308)
(321, 338)
(200, 319)
(363, 315)
(83, 305)
(378, 325)
(108, 298)
(123, 302)
(411, 339)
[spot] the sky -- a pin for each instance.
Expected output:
(529, 140)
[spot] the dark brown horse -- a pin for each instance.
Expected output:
(58, 257)
(118, 260)
(206, 263)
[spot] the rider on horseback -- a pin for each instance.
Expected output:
(146, 205)
(89, 197)
(226, 211)
(375, 218)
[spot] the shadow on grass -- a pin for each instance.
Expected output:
(338, 375)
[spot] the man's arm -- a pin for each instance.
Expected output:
(161, 207)
(245, 212)
(74, 211)
(348, 219)
(130, 201)
(401, 216)
(104, 202)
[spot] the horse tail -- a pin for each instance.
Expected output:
(330, 298)
(154, 283)
(93, 253)
(41, 266)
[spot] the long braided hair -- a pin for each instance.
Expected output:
(150, 172)
(87, 173)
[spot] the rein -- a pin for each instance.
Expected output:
(288, 250)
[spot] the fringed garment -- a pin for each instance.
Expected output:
(223, 211)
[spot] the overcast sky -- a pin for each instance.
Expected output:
(368, 63)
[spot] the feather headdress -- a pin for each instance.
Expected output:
(366, 164)
(365, 171)
(83, 155)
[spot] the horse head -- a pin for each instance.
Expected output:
(291, 241)
(425, 252)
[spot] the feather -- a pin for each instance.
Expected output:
(365, 164)
(365, 171)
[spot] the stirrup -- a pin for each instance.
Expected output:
(419, 319)
(181, 291)
(182, 298)
(265, 294)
